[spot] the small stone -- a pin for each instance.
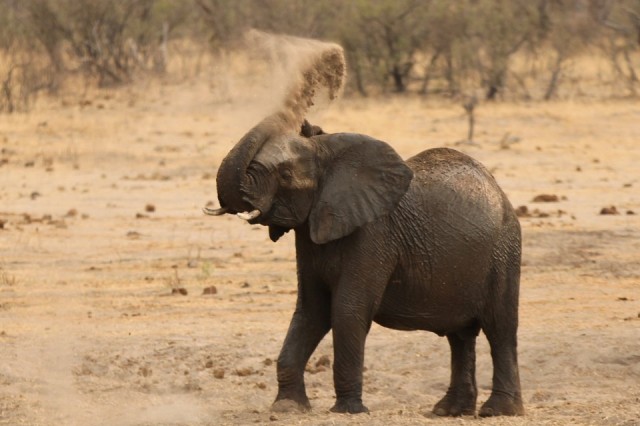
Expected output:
(522, 211)
(218, 373)
(150, 208)
(145, 371)
(181, 290)
(610, 210)
(243, 372)
(546, 198)
(209, 290)
(324, 361)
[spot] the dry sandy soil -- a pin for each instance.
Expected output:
(100, 203)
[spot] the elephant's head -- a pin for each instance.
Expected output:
(286, 172)
(278, 176)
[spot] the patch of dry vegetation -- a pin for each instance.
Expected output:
(490, 49)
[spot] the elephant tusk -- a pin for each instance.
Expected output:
(215, 212)
(249, 215)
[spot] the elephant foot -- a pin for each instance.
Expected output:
(502, 404)
(351, 406)
(290, 406)
(456, 404)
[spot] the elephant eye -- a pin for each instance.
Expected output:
(286, 174)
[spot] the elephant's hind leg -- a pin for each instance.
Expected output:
(462, 393)
(506, 397)
(500, 324)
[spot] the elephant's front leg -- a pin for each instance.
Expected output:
(310, 323)
(353, 306)
(350, 330)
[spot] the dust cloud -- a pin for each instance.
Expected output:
(305, 66)
(270, 73)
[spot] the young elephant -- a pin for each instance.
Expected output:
(431, 243)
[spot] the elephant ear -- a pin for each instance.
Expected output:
(364, 180)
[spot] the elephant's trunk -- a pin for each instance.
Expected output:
(232, 179)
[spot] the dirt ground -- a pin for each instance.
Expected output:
(100, 210)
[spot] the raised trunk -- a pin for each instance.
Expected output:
(232, 174)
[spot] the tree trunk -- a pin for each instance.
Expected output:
(398, 79)
(450, 75)
(496, 84)
(357, 71)
(428, 73)
(632, 72)
(555, 76)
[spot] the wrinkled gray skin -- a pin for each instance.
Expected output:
(430, 243)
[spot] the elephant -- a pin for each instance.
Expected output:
(431, 243)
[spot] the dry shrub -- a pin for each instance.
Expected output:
(21, 79)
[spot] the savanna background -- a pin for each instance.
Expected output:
(121, 303)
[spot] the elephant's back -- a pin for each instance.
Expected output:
(452, 190)
(449, 176)
(441, 165)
